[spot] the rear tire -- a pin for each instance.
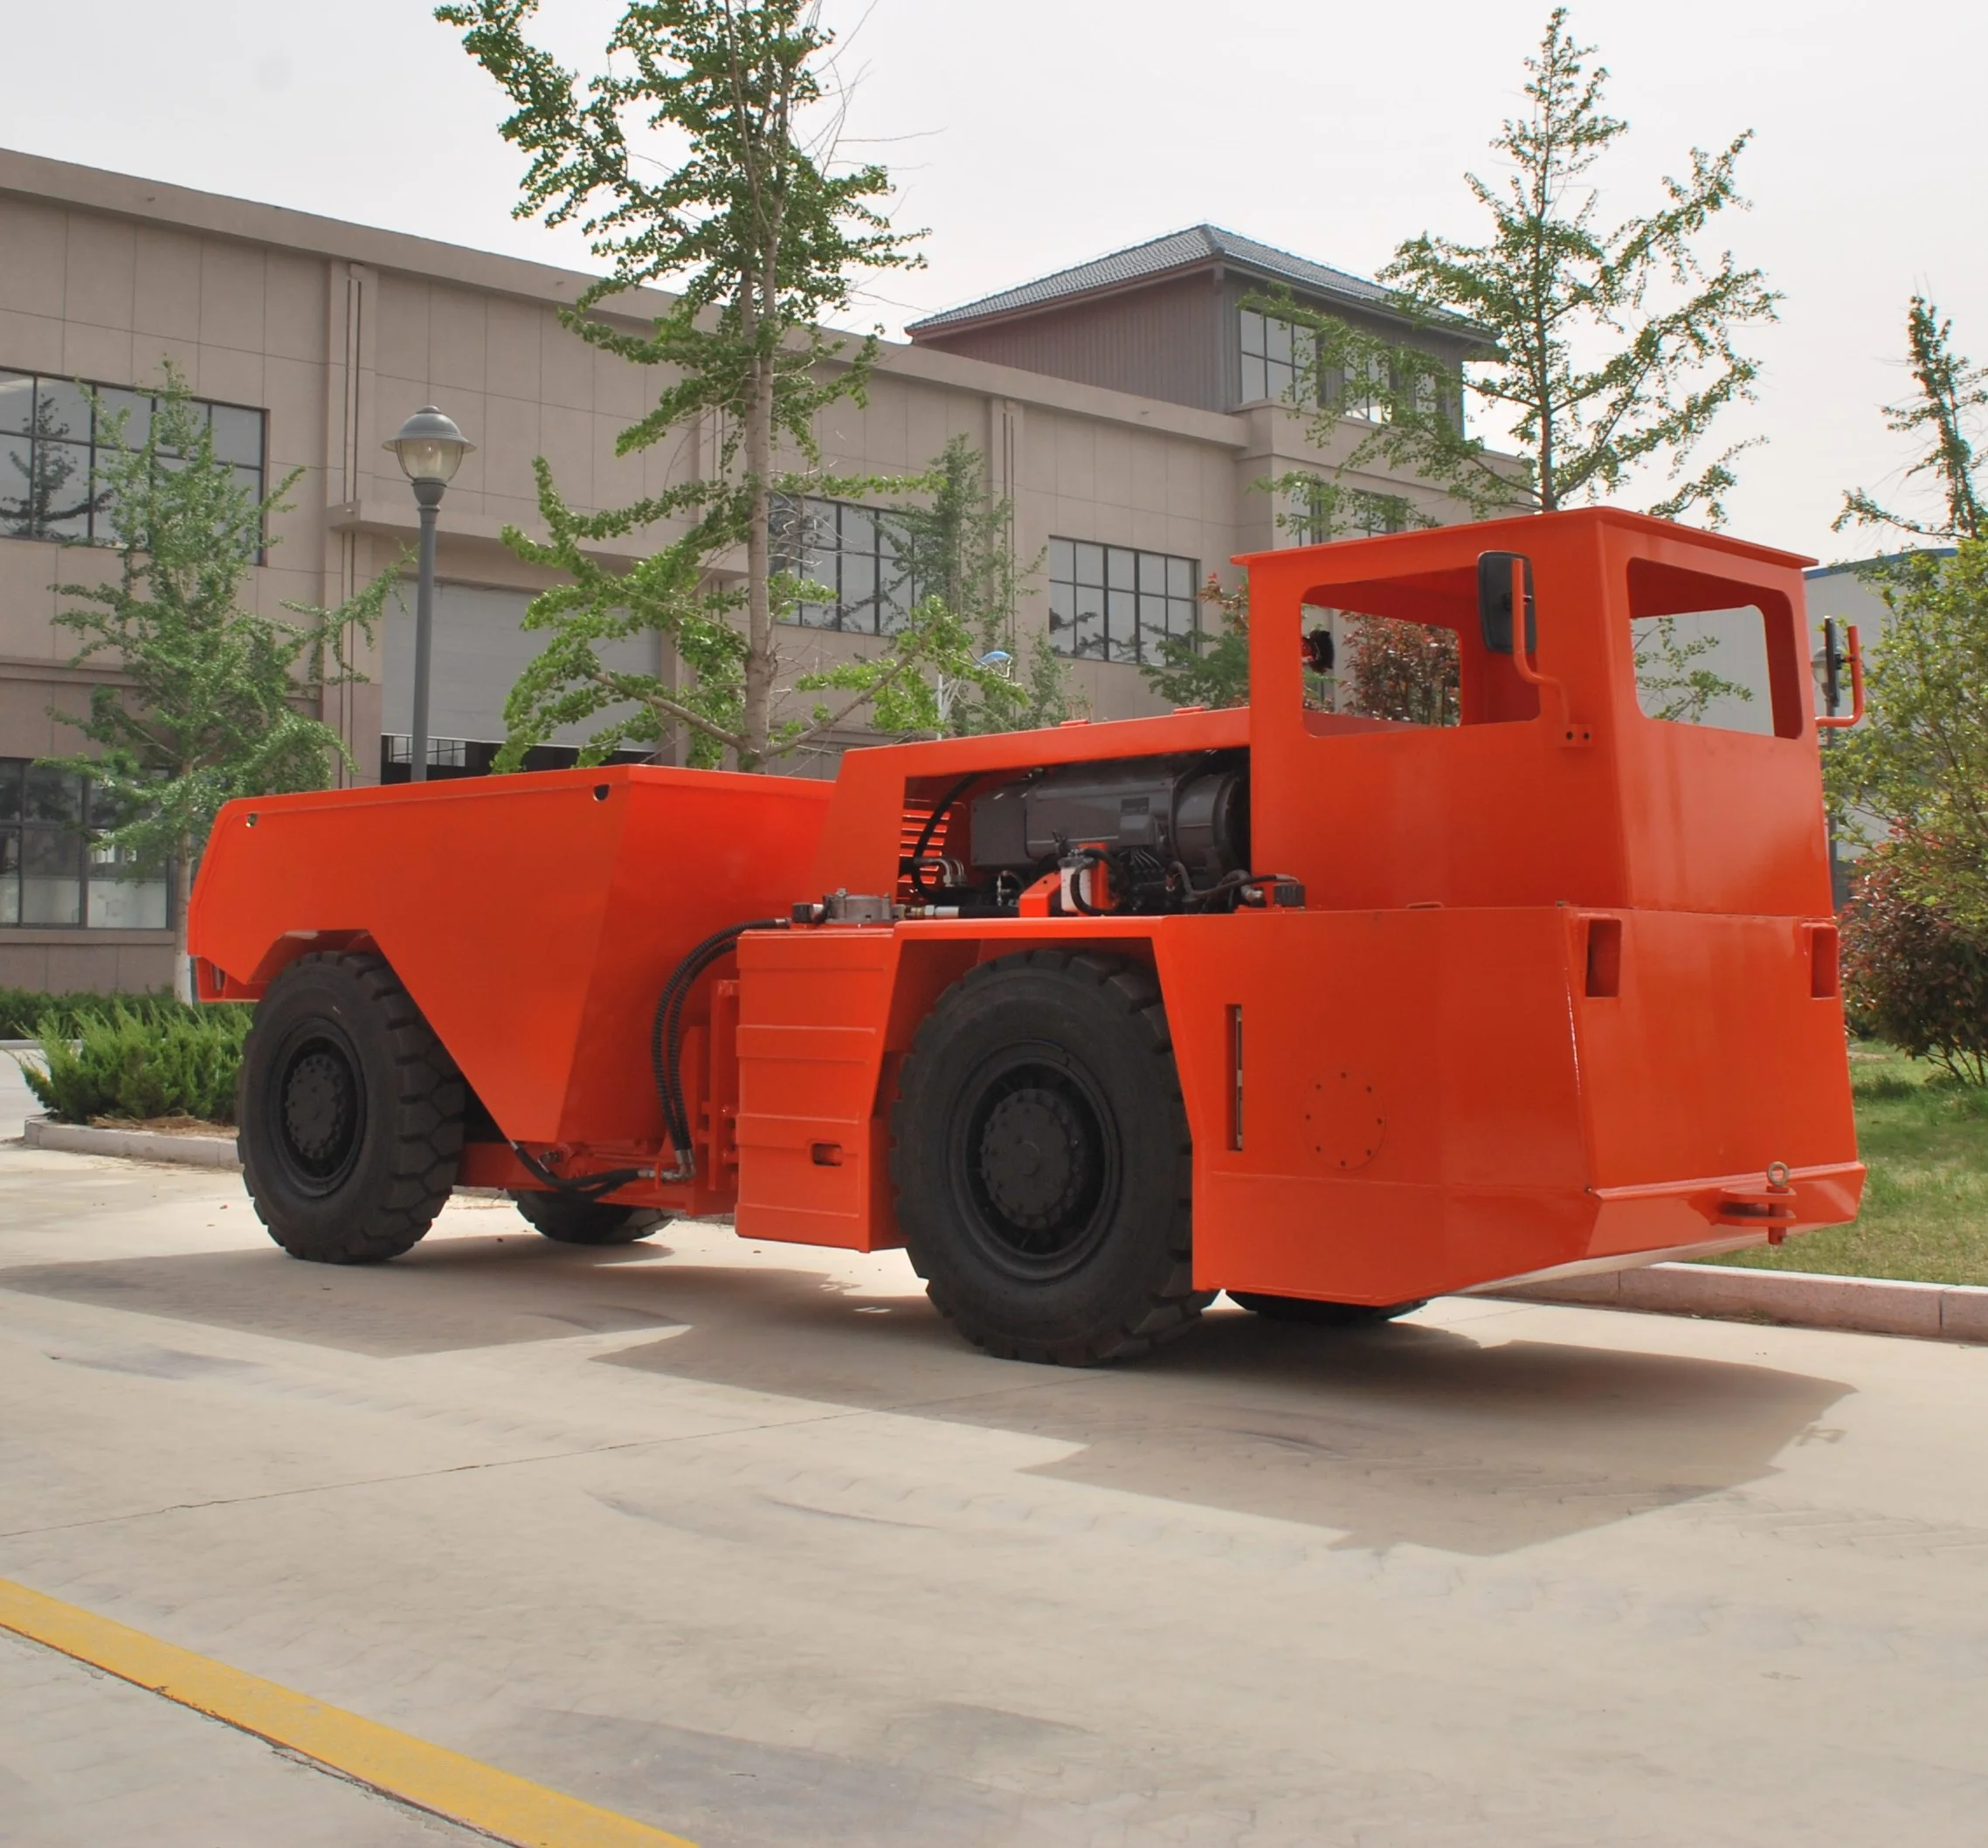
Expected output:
(1042, 1161)
(570, 1221)
(1321, 1314)
(351, 1112)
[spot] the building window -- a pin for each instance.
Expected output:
(53, 444)
(1318, 512)
(1112, 604)
(53, 875)
(849, 551)
(1367, 386)
(1279, 360)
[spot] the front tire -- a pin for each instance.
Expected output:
(1042, 1161)
(351, 1112)
(570, 1221)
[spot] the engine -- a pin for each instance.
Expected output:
(1170, 834)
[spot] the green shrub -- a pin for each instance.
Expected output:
(142, 1062)
(1914, 976)
(25, 1012)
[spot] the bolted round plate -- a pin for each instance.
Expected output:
(1343, 1122)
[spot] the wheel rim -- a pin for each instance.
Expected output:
(315, 1104)
(1035, 1161)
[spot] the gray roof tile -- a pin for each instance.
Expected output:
(1199, 243)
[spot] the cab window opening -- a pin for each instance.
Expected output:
(1407, 653)
(1709, 652)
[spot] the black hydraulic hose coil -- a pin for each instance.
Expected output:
(666, 1036)
(931, 827)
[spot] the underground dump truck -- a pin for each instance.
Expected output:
(1331, 1013)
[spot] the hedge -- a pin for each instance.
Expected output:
(25, 1013)
(141, 1061)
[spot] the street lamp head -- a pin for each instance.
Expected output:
(430, 446)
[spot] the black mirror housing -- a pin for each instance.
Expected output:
(1494, 602)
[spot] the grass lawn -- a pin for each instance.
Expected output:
(1925, 1140)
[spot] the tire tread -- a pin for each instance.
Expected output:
(425, 1123)
(1173, 1304)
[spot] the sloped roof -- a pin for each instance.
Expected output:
(1196, 248)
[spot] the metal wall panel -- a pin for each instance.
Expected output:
(1161, 342)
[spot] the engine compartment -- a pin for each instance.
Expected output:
(1135, 836)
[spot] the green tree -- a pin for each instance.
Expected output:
(1952, 393)
(210, 701)
(1614, 346)
(958, 546)
(1209, 667)
(761, 240)
(1920, 762)
(1672, 676)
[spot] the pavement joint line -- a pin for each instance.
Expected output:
(410, 1771)
(451, 1469)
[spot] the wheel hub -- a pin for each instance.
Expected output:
(1035, 1158)
(319, 1109)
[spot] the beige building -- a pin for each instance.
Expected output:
(1127, 408)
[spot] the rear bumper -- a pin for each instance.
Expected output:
(1680, 1220)
(1648, 1222)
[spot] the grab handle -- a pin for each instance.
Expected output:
(1854, 654)
(1570, 732)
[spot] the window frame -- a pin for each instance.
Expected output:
(1276, 373)
(1110, 585)
(74, 835)
(857, 575)
(111, 399)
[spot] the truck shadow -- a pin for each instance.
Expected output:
(1407, 1432)
(1465, 1441)
(446, 1296)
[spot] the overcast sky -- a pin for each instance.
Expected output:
(1029, 134)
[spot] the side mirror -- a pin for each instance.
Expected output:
(1494, 602)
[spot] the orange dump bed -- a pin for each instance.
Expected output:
(534, 919)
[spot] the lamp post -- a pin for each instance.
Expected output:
(949, 691)
(431, 449)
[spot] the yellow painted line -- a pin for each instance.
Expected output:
(425, 1776)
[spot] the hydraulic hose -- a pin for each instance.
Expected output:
(586, 1187)
(665, 1038)
(931, 828)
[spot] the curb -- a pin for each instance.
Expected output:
(1796, 1299)
(143, 1145)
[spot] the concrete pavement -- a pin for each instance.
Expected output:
(87, 1762)
(743, 1542)
(17, 1101)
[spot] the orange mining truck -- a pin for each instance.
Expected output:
(1332, 1013)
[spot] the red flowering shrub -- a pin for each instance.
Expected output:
(1400, 670)
(1912, 975)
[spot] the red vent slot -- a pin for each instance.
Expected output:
(1824, 983)
(1604, 958)
(916, 814)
